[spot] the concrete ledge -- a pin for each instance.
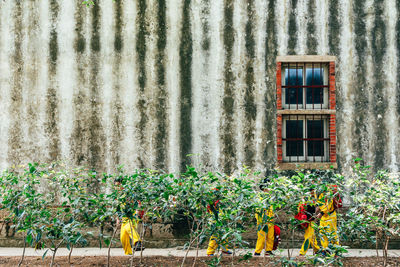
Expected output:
(306, 111)
(306, 165)
(306, 58)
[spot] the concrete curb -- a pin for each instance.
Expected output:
(83, 252)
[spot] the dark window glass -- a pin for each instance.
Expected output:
(294, 131)
(315, 130)
(316, 77)
(293, 77)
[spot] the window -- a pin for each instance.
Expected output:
(306, 115)
(305, 86)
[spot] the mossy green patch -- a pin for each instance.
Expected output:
(15, 141)
(268, 139)
(95, 38)
(185, 63)
(228, 141)
(249, 99)
(361, 105)
(334, 27)
(118, 42)
(311, 40)
(161, 115)
(378, 51)
(292, 28)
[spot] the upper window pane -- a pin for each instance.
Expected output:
(293, 78)
(315, 77)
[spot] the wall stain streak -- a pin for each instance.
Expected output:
(292, 28)
(205, 46)
(185, 63)
(269, 137)
(52, 112)
(142, 103)
(398, 56)
(228, 140)
(16, 150)
(249, 101)
(334, 27)
(311, 40)
(79, 137)
(361, 105)
(33, 105)
(118, 128)
(96, 131)
(380, 104)
(161, 115)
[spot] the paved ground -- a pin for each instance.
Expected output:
(164, 252)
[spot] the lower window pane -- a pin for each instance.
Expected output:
(315, 96)
(294, 131)
(315, 130)
(294, 148)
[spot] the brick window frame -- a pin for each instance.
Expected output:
(328, 112)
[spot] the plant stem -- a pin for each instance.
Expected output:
(133, 245)
(69, 255)
(23, 253)
(109, 246)
(190, 243)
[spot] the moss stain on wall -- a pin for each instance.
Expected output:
(380, 105)
(361, 105)
(292, 28)
(228, 141)
(15, 142)
(185, 63)
(162, 96)
(269, 137)
(249, 101)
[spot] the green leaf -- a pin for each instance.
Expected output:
(45, 253)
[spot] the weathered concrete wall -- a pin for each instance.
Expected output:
(144, 83)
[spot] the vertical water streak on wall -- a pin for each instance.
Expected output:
(282, 10)
(185, 70)
(174, 11)
(334, 29)
(271, 44)
(118, 111)
(301, 17)
(398, 64)
(216, 80)
(151, 84)
(361, 104)
(390, 73)
(16, 141)
(66, 75)
(292, 27)
(5, 80)
(311, 21)
(200, 93)
(32, 99)
(250, 108)
(161, 138)
(106, 80)
(97, 136)
(322, 30)
(52, 110)
(228, 142)
(379, 46)
(142, 79)
(80, 133)
(238, 66)
(345, 85)
(369, 83)
(260, 15)
(129, 85)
